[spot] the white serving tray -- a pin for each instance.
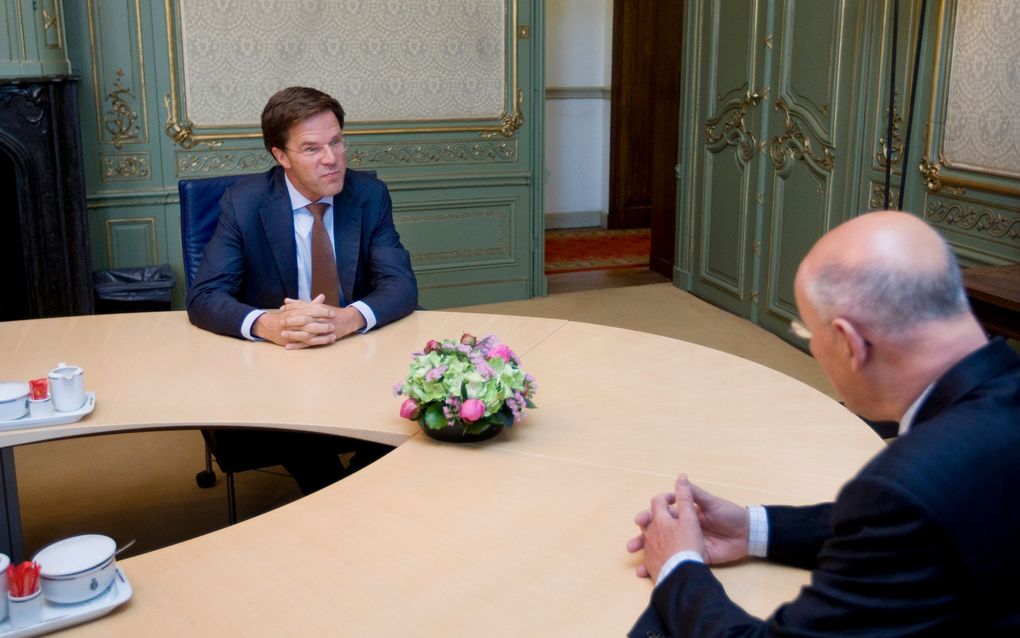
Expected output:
(59, 616)
(57, 418)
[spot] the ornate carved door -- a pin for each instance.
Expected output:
(719, 162)
(813, 108)
(766, 164)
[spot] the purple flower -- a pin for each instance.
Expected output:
(472, 410)
(398, 388)
(482, 366)
(435, 374)
(409, 409)
(451, 409)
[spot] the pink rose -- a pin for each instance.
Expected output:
(472, 410)
(432, 346)
(503, 352)
(409, 409)
(468, 339)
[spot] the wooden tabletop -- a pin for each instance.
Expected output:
(520, 535)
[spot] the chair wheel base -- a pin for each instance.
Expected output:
(205, 479)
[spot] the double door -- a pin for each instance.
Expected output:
(768, 157)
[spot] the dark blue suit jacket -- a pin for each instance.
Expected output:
(251, 261)
(923, 541)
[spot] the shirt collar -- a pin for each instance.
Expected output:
(908, 418)
(299, 201)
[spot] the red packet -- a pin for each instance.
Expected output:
(39, 389)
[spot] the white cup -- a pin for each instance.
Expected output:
(27, 610)
(40, 407)
(4, 564)
(67, 387)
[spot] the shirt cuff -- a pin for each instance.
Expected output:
(367, 313)
(676, 560)
(248, 322)
(757, 531)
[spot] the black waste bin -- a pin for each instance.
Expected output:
(141, 289)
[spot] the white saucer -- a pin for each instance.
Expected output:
(59, 616)
(57, 418)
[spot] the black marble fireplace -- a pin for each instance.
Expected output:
(44, 241)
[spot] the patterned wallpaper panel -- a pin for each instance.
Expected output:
(982, 122)
(384, 60)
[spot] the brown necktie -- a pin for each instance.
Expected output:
(324, 277)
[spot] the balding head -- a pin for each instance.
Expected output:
(883, 300)
(887, 271)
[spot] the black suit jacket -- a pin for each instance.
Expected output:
(251, 261)
(923, 541)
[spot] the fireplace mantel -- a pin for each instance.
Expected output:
(41, 141)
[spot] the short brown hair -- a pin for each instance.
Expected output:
(291, 105)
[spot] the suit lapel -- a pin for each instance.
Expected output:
(347, 216)
(278, 224)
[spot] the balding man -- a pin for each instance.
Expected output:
(925, 540)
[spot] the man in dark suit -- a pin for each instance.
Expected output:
(304, 254)
(923, 540)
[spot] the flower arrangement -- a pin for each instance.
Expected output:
(474, 385)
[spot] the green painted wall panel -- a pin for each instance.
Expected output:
(465, 204)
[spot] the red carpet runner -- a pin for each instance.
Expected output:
(581, 249)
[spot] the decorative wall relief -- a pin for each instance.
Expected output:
(222, 162)
(369, 155)
(876, 200)
(734, 131)
(35, 99)
(795, 145)
(978, 218)
(982, 125)
(384, 61)
(116, 55)
(124, 166)
(120, 118)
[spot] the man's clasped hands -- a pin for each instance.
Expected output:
(300, 324)
(689, 519)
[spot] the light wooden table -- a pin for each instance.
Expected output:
(521, 535)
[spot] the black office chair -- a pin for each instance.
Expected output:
(199, 215)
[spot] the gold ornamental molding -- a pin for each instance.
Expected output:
(794, 144)
(120, 119)
(982, 220)
(189, 135)
(734, 130)
(119, 166)
(877, 199)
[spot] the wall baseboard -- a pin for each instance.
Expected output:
(576, 219)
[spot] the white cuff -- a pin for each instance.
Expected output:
(675, 560)
(248, 322)
(367, 313)
(757, 531)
